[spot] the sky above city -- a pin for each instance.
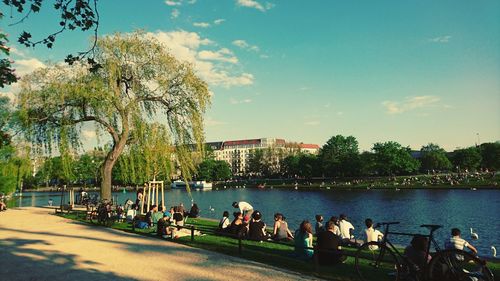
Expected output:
(414, 72)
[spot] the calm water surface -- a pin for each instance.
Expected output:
(464, 209)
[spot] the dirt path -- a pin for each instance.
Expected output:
(36, 245)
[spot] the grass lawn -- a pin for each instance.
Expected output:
(275, 254)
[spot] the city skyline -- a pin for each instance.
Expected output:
(414, 73)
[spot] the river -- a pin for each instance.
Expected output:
(464, 209)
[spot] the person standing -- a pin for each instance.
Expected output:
(245, 208)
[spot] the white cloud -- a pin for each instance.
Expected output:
(173, 2)
(264, 56)
(175, 14)
(17, 52)
(244, 45)
(440, 39)
(210, 122)
(25, 66)
(201, 24)
(312, 123)
(410, 103)
(255, 5)
(219, 21)
(190, 47)
(223, 54)
(235, 101)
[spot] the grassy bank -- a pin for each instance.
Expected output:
(279, 255)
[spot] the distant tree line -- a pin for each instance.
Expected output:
(340, 157)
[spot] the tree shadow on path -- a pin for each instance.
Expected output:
(19, 261)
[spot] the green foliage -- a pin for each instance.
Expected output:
(138, 81)
(13, 168)
(490, 153)
(149, 157)
(339, 156)
(255, 162)
(467, 158)
(434, 158)
(393, 159)
(7, 73)
(212, 170)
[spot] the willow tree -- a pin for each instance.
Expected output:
(138, 82)
(150, 156)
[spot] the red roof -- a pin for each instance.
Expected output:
(309, 146)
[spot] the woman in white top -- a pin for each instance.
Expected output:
(372, 235)
(224, 222)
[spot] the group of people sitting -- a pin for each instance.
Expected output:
(168, 222)
(248, 224)
(330, 235)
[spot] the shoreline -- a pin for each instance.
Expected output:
(308, 187)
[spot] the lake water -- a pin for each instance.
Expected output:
(464, 209)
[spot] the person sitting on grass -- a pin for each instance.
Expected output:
(238, 227)
(163, 228)
(456, 242)
(416, 251)
(257, 228)
(346, 230)
(372, 235)
(178, 217)
(194, 212)
(149, 215)
(224, 223)
(327, 250)
(280, 229)
(303, 241)
(319, 224)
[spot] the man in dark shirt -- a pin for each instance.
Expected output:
(149, 215)
(327, 248)
(162, 226)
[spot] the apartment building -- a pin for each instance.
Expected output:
(237, 152)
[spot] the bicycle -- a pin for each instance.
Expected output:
(103, 214)
(383, 261)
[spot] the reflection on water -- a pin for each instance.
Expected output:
(451, 208)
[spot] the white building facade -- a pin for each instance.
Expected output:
(237, 152)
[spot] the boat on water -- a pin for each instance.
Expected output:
(202, 185)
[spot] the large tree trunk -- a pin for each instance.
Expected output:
(109, 163)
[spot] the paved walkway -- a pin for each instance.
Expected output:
(36, 245)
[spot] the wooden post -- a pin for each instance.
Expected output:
(149, 198)
(142, 202)
(156, 191)
(162, 197)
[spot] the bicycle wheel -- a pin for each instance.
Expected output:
(375, 261)
(458, 265)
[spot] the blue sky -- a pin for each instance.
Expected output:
(409, 71)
